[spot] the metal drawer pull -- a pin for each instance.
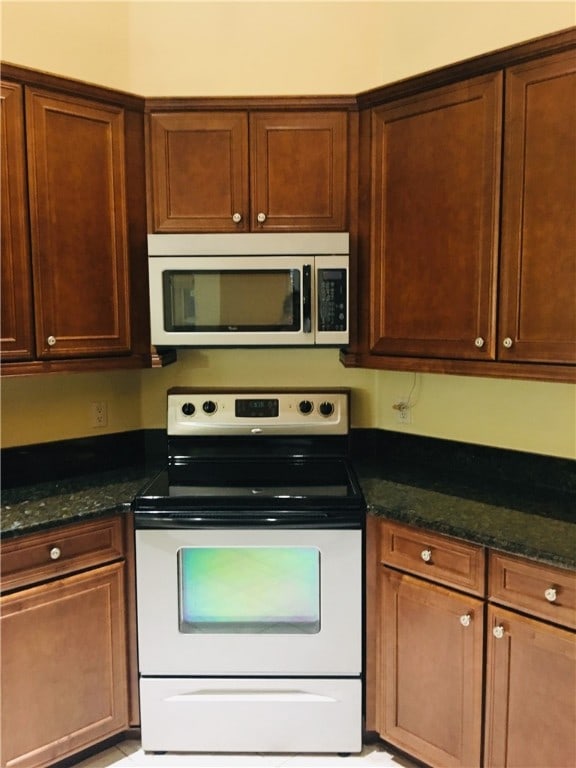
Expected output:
(507, 342)
(51, 341)
(465, 620)
(261, 218)
(550, 594)
(426, 555)
(479, 342)
(55, 553)
(237, 218)
(498, 632)
(250, 695)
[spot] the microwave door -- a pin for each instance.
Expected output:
(231, 301)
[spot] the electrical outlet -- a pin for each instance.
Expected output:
(403, 411)
(98, 414)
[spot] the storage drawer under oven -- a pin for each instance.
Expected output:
(257, 715)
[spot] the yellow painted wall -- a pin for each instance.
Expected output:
(253, 48)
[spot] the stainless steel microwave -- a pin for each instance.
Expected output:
(266, 289)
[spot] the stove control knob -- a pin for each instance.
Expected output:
(326, 408)
(305, 407)
(209, 406)
(188, 409)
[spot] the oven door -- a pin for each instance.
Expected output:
(249, 602)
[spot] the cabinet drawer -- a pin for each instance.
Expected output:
(30, 559)
(440, 558)
(539, 589)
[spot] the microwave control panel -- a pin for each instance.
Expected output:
(332, 293)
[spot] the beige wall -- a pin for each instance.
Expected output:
(233, 47)
(251, 48)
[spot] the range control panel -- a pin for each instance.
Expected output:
(258, 412)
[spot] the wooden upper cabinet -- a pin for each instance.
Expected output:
(538, 291)
(435, 203)
(238, 171)
(78, 226)
(198, 177)
(16, 302)
(298, 171)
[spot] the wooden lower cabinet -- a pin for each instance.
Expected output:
(64, 666)
(530, 693)
(431, 652)
(467, 671)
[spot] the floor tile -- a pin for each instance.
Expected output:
(129, 754)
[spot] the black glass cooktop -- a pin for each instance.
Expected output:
(241, 490)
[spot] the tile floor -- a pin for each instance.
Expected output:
(128, 754)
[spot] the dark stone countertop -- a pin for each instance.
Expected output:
(537, 524)
(34, 508)
(534, 521)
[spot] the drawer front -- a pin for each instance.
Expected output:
(539, 589)
(434, 556)
(251, 715)
(30, 559)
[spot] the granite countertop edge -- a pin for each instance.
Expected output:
(546, 535)
(37, 508)
(515, 528)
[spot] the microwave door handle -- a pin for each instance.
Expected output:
(307, 298)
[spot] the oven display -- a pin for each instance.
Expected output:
(257, 407)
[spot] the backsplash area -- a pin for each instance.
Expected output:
(404, 457)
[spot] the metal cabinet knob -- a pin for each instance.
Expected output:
(55, 553)
(465, 620)
(261, 218)
(426, 555)
(507, 342)
(479, 342)
(498, 632)
(51, 340)
(550, 594)
(237, 218)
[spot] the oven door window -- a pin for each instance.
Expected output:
(232, 300)
(250, 590)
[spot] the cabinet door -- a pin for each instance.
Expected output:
(430, 671)
(78, 226)
(16, 302)
(63, 667)
(298, 171)
(530, 694)
(435, 193)
(538, 305)
(198, 172)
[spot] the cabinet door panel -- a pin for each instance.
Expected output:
(78, 226)
(299, 170)
(198, 172)
(431, 671)
(538, 305)
(530, 694)
(436, 176)
(16, 304)
(63, 667)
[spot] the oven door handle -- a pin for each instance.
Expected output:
(250, 695)
(318, 520)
